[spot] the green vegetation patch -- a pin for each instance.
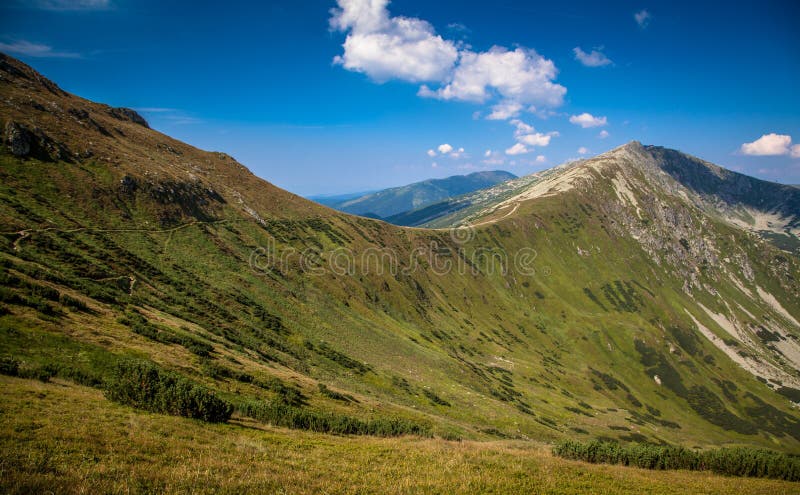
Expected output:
(288, 416)
(740, 461)
(144, 385)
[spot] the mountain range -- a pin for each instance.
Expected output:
(640, 295)
(766, 208)
(397, 200)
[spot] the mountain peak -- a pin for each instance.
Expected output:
(18, 73)
(631, 147)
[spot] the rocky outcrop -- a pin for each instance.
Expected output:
(18, 139)
(15, 71)
(23, 142)
(128, 114)
(84, 118)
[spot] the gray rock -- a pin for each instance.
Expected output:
(131, 115)
(18, 139)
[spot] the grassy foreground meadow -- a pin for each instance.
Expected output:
(59, 437)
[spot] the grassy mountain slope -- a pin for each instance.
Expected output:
(146, 453)
(396, 200)
(582, 313)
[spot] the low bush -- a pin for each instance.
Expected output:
(43, 373)
(144, 385)
(219, 372)
(332, 394)
(739, 461)
(435, 399)
(140, 325)
(279, 414)
(9, 366)
(287, 394)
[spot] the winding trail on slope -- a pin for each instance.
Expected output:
(495, 220)
(25, 233)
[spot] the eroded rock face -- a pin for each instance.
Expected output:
(33, 143)
(122, 113)
(18, 139)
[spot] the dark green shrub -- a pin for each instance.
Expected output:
(42, 373)
(288, 416)
(287, 394)
(219, 372)
(790, 393)
(141, 326)
(81, 377)
(73, 304)
(9, 366)
(332, 394)
(435, 398)
(341, 359)
(740, 461)
(143, 385)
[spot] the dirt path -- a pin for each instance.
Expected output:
(495, 220)
(25, 233)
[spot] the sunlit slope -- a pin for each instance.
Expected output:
(140, 452)
(573, 315)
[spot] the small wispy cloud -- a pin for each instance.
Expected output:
(458, 30)
(39, 50)
(69, 5)
(587, 120)
(446, 149)
(643, 18)
(155, 109)
(172, 116)
(493, 158)
(517, 149)
(594, 58)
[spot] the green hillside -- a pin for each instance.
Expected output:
(602, 306)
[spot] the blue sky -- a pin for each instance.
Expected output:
(317, 100)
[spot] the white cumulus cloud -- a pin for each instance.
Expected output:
(541, 159)
(504, 110)
(795, 151)
(521, 126)
(517, 149)
(526, 136)
(445, 148)
(603, 134)
(521, 76)
(595, 58)
(587, 120)
(535, 139)
(769, 145)
(385, 47)
(582, 150)
(431, 153)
